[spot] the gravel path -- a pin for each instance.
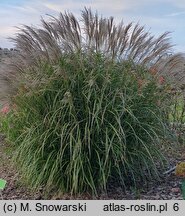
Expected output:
(167, 189)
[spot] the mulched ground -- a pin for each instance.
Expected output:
(167, 189)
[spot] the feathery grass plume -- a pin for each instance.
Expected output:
(66, 34)
(87, 106)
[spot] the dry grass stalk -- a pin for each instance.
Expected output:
(66, 34)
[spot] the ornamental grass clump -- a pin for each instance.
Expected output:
(89, 111)
(92, 126)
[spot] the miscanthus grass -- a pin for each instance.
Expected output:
(94, 125)
(88, 103)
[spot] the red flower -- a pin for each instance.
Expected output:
(161, 80)
(153, 70)
(5, 109)
(140, 83)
